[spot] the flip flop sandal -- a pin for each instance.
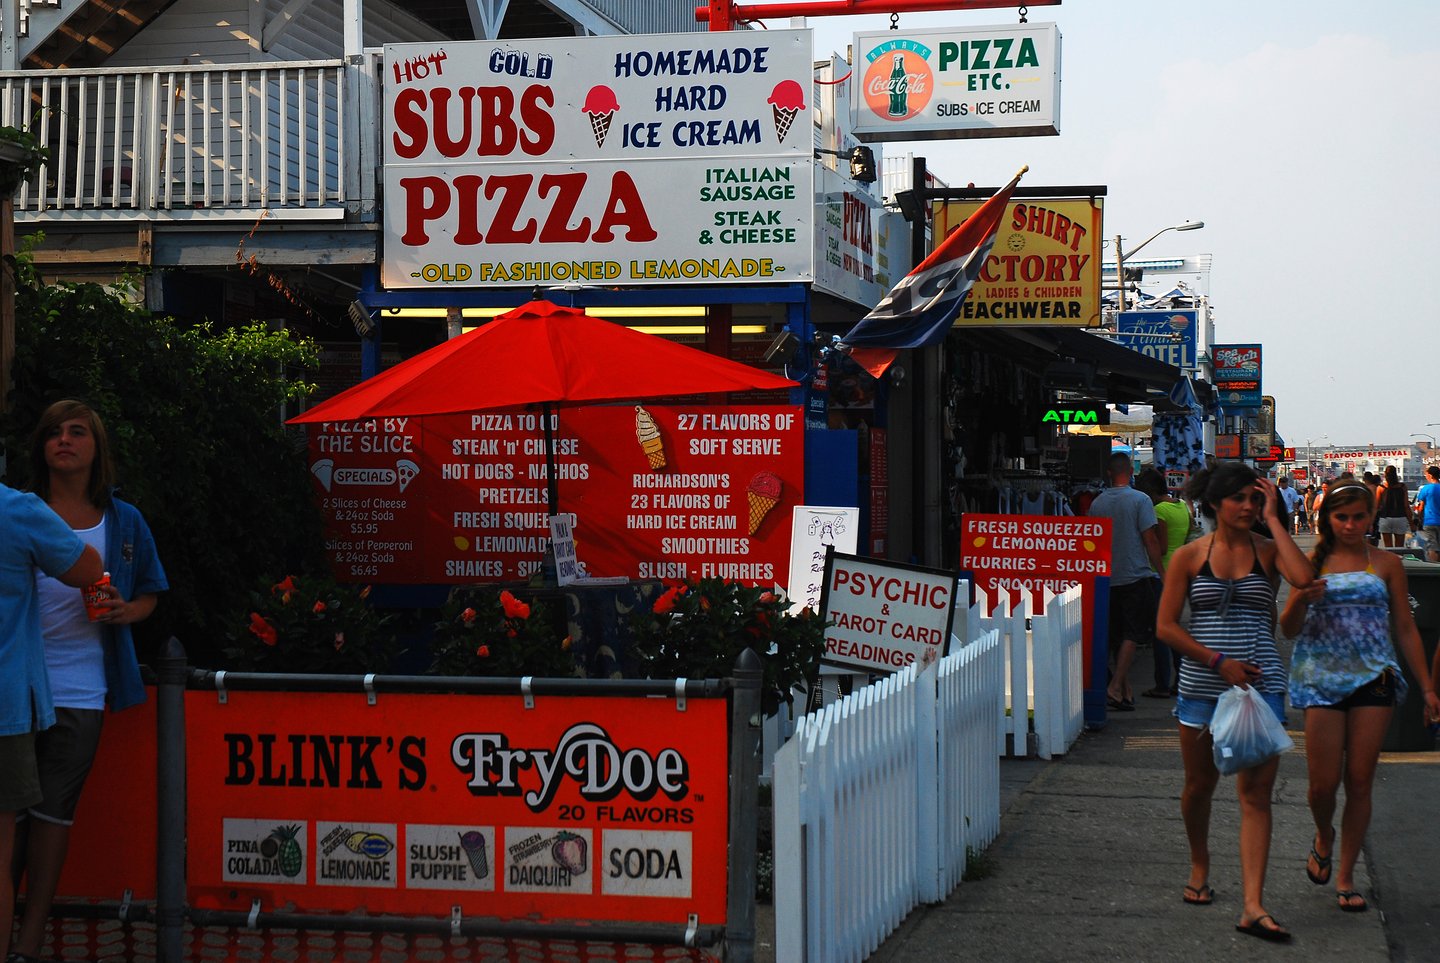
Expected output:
(1323, 862)
(1343, 898)
(1273, 932)
(1203, 896)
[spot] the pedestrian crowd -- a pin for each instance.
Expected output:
(1206, 596)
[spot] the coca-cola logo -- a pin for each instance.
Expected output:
(899, 80)
(585, 754)
(913, 83)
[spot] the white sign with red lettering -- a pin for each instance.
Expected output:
(882, 616)
(643, 159)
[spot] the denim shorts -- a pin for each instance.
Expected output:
(1197, 713)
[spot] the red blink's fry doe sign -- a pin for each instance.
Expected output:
(884, 616)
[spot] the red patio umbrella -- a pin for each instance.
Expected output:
(540, 353)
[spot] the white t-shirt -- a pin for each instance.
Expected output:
(73, 654)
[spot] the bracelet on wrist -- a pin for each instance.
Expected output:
(1219, 658)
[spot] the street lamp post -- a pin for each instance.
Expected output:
(1121, 255)
(1310, 450)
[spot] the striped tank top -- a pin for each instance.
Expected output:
(1236, 617)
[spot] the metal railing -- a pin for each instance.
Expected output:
(171, 141)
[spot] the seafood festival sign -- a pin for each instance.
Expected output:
(601, 809)
(659, 159)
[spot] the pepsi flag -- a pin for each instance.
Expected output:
(921, 308)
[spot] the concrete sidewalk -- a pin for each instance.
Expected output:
(1092, 857)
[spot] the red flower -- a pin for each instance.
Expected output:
(263, 629)
(514, 608)
(318, 607)
(510, 633)
(287, 586)
(365, 592)
(483, 652)
(666, 602)
(565, 644)
(467, 616)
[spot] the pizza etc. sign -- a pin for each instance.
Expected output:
(617, 160)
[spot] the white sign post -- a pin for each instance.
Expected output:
(882, 616)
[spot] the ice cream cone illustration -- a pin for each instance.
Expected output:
(648, 434)
(786, 100)
(600, 105)
(763, 494)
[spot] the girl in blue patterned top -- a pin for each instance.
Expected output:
(1229, 578)
(1345, 675)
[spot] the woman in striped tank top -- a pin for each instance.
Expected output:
(1347, 626)
(1229, 578)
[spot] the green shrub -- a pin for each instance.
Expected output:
(311, 624)
(487, 631)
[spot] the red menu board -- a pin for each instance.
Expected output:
(1030, 553)
(657, 492)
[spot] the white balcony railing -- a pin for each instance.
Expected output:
(185, 141)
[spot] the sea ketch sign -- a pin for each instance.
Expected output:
(656, 159)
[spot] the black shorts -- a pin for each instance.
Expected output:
(64, 754)
(1132, 612)
(1378, 692)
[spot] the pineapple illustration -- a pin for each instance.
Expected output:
(291, 858)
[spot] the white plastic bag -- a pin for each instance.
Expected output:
(1245, 731)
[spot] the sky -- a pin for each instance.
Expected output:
(1304, 133)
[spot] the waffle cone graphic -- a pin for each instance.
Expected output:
(647, 433)
(600, 127)
(762, 494)
(784, 117)
(760, 506)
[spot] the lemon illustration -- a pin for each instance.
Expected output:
(1089, 545)
(979, 541)
(462, 543)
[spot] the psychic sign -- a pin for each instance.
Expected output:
(882, 616)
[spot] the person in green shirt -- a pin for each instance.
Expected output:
(1173, 517)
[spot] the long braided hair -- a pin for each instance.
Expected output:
(1346, 493)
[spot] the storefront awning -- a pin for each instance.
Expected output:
(1073, 359)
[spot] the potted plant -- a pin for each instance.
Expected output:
(489, 631)
(697, 629)
(311, 624)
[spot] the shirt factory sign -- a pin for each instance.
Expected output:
(1044, 267)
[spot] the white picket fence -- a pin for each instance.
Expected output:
(879, 795)
(1043, 710)
(1044, 672)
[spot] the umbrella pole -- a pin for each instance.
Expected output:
(552, 489)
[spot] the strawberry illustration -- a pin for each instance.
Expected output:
(568, 851)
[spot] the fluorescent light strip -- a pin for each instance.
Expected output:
(683, 311)
(663, 329)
